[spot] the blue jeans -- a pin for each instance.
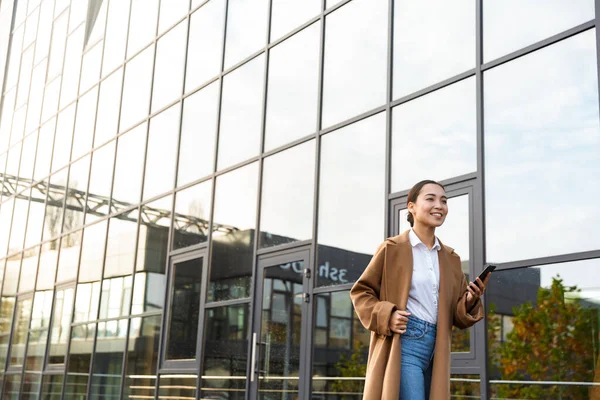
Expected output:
(418, 343)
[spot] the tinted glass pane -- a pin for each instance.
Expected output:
(29, 266)
(341, 346)
(81, 347)
(137, 89)
(529, 23)
(529, 155)
(177, 386)
(115, 36)
(233, 234)
(6, 212)
(287, 15)
(101, 177)
(35, 219)
(352, 169)
(70, 247)
(184, 309)
(293, 87)
(225, 350)
(421, 57)
(31, 386)
(121, 245)
(423, 129)
(287, 196)
(169, 65)
(198, 130)
(59, 336)
(22, 315)
(25, 76)
(34, 107)
(90, 68)
(142, 356)
(543, 327)
(86, 302)
(12, 387)
(47, 267)
(28, 157)
(356, 31)
(127, 187)
(162, 152)
(142, 25)
(44, 150)
(53, 219)
(76, 193)
(108, 108)
(246, 29)
(192, 214)
(52, 386)
(205, 46)
(44, 30)
(115, 298)
(57, 47)
(72, 66)
(92, 252)
(241, 113)
(17, 231)
(11, 274)
(84, 123)
(38, 335)
(171, 12)
(108, 359)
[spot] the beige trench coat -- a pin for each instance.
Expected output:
(382, 288)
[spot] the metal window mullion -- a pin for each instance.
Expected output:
(388, 117)
(596, 19)
(7, 60)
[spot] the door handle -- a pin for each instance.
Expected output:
(253, 358)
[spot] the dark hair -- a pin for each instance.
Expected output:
(414, 193)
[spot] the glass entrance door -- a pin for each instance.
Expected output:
(280, 322)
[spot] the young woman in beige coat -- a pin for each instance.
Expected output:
(410, 295)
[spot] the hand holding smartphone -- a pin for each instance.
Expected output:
(485, 272)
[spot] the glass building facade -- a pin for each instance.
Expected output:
(190, 188)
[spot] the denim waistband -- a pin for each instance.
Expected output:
(424, 325)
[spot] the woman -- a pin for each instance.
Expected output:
(410, 295)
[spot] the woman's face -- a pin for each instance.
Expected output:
(431, 207)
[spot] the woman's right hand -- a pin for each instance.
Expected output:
(398, 321)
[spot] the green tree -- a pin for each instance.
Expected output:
(351, 367)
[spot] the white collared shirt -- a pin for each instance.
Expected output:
(425, 286)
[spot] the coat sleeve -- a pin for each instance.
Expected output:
(464, 318)
(373, 313)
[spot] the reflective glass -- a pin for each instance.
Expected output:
(127, 187)
(35, 219)
(142, 357)
(192, 215)
(70, 247)
(78, 13)
(52, 386)
(84, 123)
(108, 359)
(31, 26)
(6, 212)
(80, 353)
(36, 93)
(162, 152)
(44, 34)
(25, 76)
(289, 14)
(205, 45)
(530, 160)
(226, 332)
(38, 336)
(529, 23)
(287, 196)
(108, 108)
(115, 38)
(53, 219)
(356, 31)
(20, 327)
(57, 47)
(171, 12)
(13, 160)
(440, 126)
(61, 322)
(6, 118)
(31, 386)
(142, 25)
(28, 156)
(100, 182)
(177, 386)
(43, 157)
(341, 346)
(76, 193)
(17, 232)
(90, 68)
(543, 327)
(11, 274)
(121, 245)
(63, 138)
(96, 31)
(246, 29)
(352, 169)
(198, 130)
(115, 298)
(184, 310)
(241, 113)
(12, 387)
(18, 125)
(293, 88)
(29, 266)
(233, 234)
(47, 267)
(7, 308)
(137, 90)
(92, 252)
(86, 301)
(421, 56)
(72, 67)
(15, 57)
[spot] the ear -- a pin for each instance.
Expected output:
(411, 207)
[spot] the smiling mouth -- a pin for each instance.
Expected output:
(437, 214)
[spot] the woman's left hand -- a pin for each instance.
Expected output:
(476, 290)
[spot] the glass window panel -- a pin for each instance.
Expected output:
(76, 193)
(169, 65)
(352, 169)
(7, 309)
(241, 113)
(36, 93)
(28, 156)
(12, 387)
(177, 386)
(63, 138)
(25, 76)
(17, 232)
(29, 267)
(14, 57)
(78, 13)
(184, 310)
(18, 125)
(109, 100)
(127, 187)
(42, 42)
(543, 327)
(142, 357)
(6, 212)
(43, 156)
(529, 155)
(121, 245)
(52, 386)
(162, 152)
(356, 31)
(84, 123)
(246, 29)
(38, 336)
(529, 23)
(293, 88)
(47, 267)
(70, 246)
(92, 252)
(72, 68)
(115, 38)
(80, 353)
(289, 14)
(20, 327)
(192, 215)
(198, 130)
(96, 31)
(108, 360)
(53, 220)
(287, 196)
(137, 90)
(171, 12)
(233, 234)
(86, 301)
(440, 126)
(11, 274)
(115, 298)
(151, 259)
(6, 119)
(21, 12)
(51, 99)
(63, 307)
(421, 57)
(13, 160)
(100, 182)
(31, 27)
(90, 68)
(226, 332)
(142, 25)
(60, 6)
(205, 45)
(57, 47)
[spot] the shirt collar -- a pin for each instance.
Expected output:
(415, 241)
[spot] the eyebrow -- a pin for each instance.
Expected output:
(433, 194)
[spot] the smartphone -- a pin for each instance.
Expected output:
(486, 271)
